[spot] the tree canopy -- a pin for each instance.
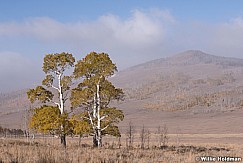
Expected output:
(48, 119)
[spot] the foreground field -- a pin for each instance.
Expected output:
(48, 150)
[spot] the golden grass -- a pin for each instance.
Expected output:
(240, 135)
(49, 150)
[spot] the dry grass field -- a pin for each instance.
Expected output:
(179, 149)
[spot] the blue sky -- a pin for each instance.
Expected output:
(68, 11)
(132, 32)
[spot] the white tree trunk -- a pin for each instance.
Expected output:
(94, 106)
(99, 142)
(96, 125)
(61, 106)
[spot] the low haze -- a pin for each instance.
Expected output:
(131, 32)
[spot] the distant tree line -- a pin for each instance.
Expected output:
(6, 132)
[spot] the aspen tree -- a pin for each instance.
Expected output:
(95, 93)
(55, 82)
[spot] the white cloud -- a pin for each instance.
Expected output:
(136, 31)
(139, 33)
(141, 27)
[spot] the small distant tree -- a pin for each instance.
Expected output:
(130, 134)
(55, 83)
(95, 93)
(142, 137)
(148, 135)
(1, 130)
(145, 137)
(163, 135)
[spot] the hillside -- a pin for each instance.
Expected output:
(13, 108)
(188, 80)
(189, 88)
(193, 92)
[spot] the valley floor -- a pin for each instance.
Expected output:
(181, 148)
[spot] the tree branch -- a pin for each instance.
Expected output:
(104, 128)
(57, 72)
(70, 112)
(86, 118)
(91, 121)
(103, 117)
(55, 87)
(65, 96)
(54, 102)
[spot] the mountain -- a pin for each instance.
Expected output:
(189, 74)
(193, 57)
(193, 64)
(189, 91)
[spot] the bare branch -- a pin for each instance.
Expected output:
(103, 117)
(65, 96)
(86, 118)
(55, 88)
(104, 128)
(56, 103)
(91, 121)
(70, 112)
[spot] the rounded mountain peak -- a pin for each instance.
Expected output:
(192, 57)
(191, 54)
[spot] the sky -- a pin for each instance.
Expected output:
(131, 32)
